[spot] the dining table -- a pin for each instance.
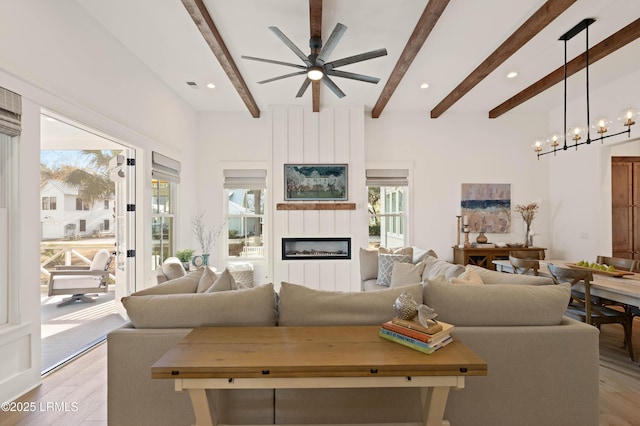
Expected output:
(623, 289)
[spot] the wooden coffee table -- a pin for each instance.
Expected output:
(312, 357)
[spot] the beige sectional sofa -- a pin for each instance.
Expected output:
(542, 366)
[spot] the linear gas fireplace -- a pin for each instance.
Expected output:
(316, 248)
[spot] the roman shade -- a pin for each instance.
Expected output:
(165, 168)
(245, 178)
(10, 112)
(387, 177)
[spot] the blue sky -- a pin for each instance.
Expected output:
(55, 158)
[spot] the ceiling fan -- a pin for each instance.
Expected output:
(316, 66)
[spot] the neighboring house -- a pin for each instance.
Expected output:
(64, 214)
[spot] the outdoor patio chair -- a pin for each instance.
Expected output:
(80, 280)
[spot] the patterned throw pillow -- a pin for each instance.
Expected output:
(385, 266)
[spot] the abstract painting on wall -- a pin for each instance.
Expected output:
(487, 206)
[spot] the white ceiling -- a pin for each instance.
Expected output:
(162, 34)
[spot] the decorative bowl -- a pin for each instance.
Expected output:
(513, 245)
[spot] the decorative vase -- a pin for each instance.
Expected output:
(205, 259)
(481, 238)
(527, 236)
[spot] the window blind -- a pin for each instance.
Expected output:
(387, 177)
(245, 178)
(10, 112)
(165, 168)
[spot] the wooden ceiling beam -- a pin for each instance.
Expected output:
(532, 26)
(430, 16)
(315, 31)
(609, 45)
(198, 12)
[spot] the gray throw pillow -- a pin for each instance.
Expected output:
(435, 267)
(225, 282)
(249, 307)
(173, 270)
(385, 266)
(497, 304)
(302, 306)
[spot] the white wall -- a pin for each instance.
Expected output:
(462, 148)
(57, 57)
(580, 181)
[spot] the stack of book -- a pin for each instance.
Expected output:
(415, 336)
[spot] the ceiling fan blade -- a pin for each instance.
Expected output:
(357, 58)
(334, 88)
(290, 45)
(353, 76)
(331, 43)
(282, 76)
(271, 61)
(303, 88)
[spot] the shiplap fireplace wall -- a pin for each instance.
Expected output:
(301, 136)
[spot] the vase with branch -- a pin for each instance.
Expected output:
(528, 213)
(207, 236)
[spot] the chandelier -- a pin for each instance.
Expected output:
(581, 135)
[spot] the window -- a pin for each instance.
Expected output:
(245, 195)
(83, 225)
(106, 204)
(49, 203)
(387, 194)
(81, 205)
(105, 225)
(165, 174)
(10, 129)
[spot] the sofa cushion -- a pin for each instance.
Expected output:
(495, 277)
(498, 304)
(248, 307)
(435, 267)
(469, 276)
(396, 250)
(173, 269)
(385, 266)
(301, 306)
(184, 284)
(406, 273)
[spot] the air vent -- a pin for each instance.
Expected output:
(192, 84)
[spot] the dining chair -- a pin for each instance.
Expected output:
(582, 306)
(524, 266)
(620, 263)
(528, 254)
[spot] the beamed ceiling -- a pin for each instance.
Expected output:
(462, 48)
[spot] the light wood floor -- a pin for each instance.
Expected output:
(84, 382)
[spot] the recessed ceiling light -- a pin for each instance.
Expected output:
(512, 74)
(424, 86)
(211, 85)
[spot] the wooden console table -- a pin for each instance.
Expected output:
(484, 256)
(311, 357)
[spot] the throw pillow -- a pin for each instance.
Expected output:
(207, 279)
(224, 282)
(250, 307)
(173, 270)
(396, 250)
(185, 284)
(406, 273)
(368, 264)
(385, 266)
(302, 306)
(435, 267)
(498, 304)
(420, 254)
(469, 276)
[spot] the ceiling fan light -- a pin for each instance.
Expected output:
(315, 73)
